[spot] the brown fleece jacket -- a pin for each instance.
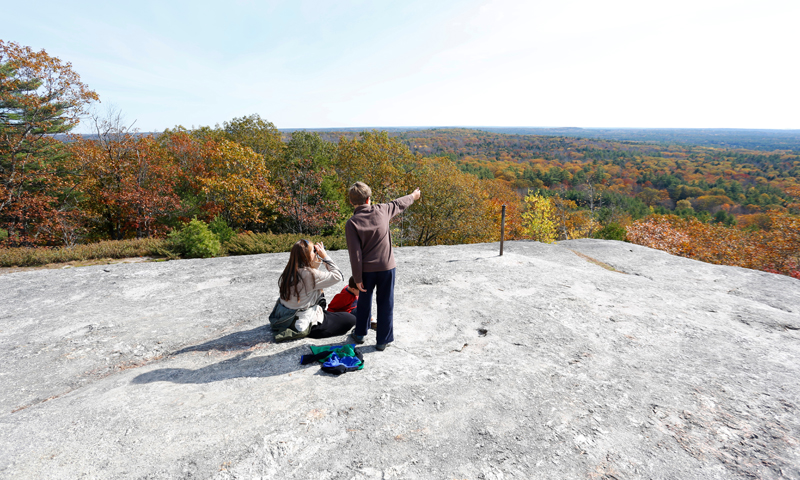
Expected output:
(368, 238)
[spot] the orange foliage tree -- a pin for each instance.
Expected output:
(220, 177)
(39, 96)
(187, 150)
(775, 250)
(658, 232)
(501, 193)
(127, 182)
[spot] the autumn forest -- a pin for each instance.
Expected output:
(733, 206)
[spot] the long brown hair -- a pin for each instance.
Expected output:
(299, 257)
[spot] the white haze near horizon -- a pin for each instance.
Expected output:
(316, 64)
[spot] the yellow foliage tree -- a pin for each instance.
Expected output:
(454, 209)
(377, 160)
(257, 134)
(571, 222)
(538, 218)
(652, 196)
(236, 180)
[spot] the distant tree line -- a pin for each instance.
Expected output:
(247, 176)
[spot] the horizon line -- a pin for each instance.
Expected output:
(419, 127)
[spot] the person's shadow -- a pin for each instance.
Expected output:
(279, 363)
(234, 341)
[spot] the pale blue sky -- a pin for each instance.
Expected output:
(316, 64)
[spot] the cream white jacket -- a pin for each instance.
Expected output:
(308, 312)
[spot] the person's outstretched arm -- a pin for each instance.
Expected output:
(397, 206)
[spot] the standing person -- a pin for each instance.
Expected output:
(369, 243)
(300, 310)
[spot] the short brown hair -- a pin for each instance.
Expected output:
(352, 283)
(359, 193)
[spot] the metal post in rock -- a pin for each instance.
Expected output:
(502, 229)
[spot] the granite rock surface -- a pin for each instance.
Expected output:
(583, 359)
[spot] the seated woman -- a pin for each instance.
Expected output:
(300, 310)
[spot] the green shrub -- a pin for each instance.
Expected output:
(253, 243)
(724, 218)
(195, 240)
(3, 234)
(221, 229)
(612, 231)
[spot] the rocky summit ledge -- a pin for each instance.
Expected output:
(583, 359)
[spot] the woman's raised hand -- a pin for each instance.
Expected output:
(320, 249)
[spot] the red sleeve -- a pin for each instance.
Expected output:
(341, 301)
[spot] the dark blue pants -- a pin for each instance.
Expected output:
(383, 282)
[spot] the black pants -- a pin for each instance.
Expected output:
(383, 282)
(334, 324)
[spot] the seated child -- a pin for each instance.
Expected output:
(347, 300)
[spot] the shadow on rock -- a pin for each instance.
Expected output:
(240, 366)
(234, 341)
